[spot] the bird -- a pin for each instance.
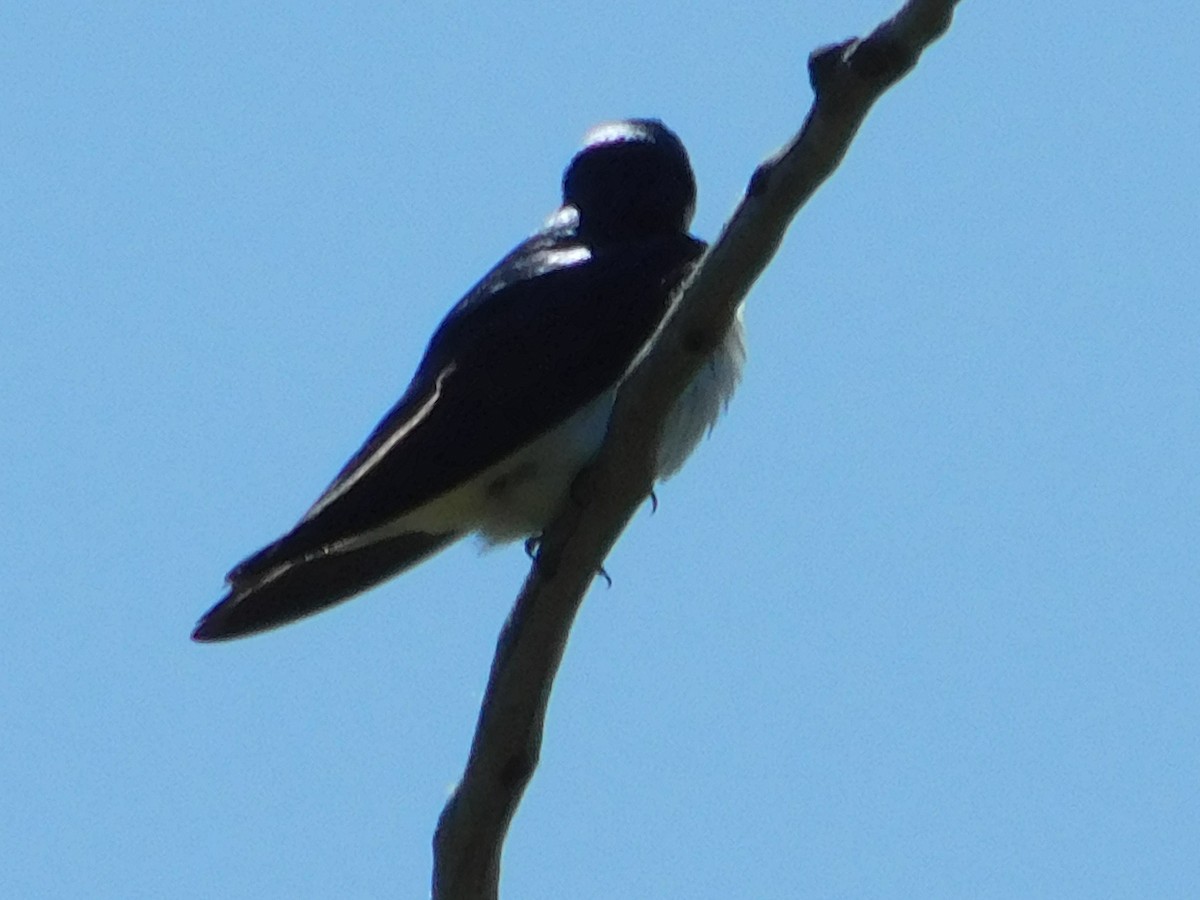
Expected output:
(512, 397)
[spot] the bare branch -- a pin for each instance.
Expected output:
(847, 79)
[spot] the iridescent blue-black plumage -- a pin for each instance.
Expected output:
(552, 328)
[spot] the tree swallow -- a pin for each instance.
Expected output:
(513, 396)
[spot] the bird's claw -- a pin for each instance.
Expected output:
(533, 546)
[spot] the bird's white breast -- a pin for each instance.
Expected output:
(703, 401)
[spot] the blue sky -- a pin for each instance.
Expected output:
(920, 619)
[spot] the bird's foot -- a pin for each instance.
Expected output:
(533, 546)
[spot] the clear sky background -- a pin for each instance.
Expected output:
(919, 620)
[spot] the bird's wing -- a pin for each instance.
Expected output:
(550, 328)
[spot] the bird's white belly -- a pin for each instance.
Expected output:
(522, 494)
(518, 496)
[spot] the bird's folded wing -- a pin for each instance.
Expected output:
(550, 328)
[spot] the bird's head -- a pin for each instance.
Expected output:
(631, 180)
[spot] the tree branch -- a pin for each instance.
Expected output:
(847, 78)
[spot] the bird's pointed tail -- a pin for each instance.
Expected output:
(291, 590)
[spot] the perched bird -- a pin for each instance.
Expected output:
(513, 396)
